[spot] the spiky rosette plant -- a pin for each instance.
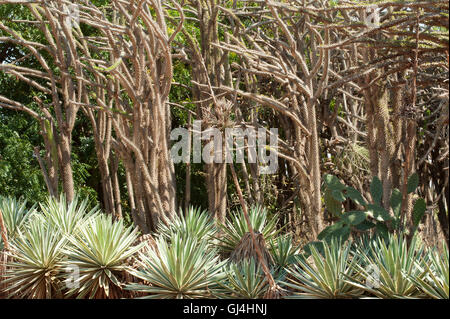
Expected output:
(283, 251)
(67, 217)
(183, 269)
(236, 227)
(36, 266)
(99, 251)
(323, 274)
(386, 266)
(433, 280)
(244, 280)
(15, 215)
(195, 223)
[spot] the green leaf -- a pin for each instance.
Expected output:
(353, 217)
(323, 275)
(418, 211)
(413, 182)
(337, 195)
(365, 225)
(355, 196)
(343, 233)
(382, 230)
(378, 212)
(111, 68)
(333, 182)
(396, 201)
(318, 245)
(338, 230)
(332, 204)
(376, 189)
(329, 230)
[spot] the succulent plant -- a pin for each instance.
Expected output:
(244, 280)
(194, 223)
(183, 269)
(374, 215)
(15, 215)
(37, 262)
(433, 280)
(236, 227)
(99, 252)
(323, 274)
(386, 266)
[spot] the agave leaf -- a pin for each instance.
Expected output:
(434, 278)
(245, 280)
(194, 222)
(100, 250)
(394, 262)
(324, 276)
(186, 268)
(15, 216)
(37, 263)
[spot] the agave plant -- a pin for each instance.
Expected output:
(68, 218)
(196, 223)
(183, 269)
(15, 215)
(37, 263)
(324, 276)
(283, 251)
(386, 266)
(434, 278)
(244, 280)
(99, 251)
(236, 227)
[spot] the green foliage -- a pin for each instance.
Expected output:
(196, 223)
(100, 250)
(245, 280)
(63, 235)
(20, 175)
(433, 279)
(15, 216)
(67, 218)
(49, 242)
(374, 216)
(385, 267)
(376, 190)
(324, 275)
(413, 183)
(235, 227)
(183, 269)
(283, 251)
(37, 265)
(418, 211)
